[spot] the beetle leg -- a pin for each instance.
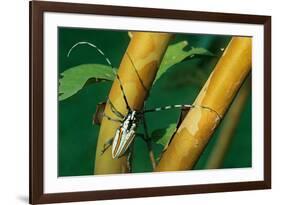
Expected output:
(130, 158)
(129, 162)
(111, 119)
(106, 145)
(114, 110)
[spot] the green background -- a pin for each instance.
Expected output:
(179, 85)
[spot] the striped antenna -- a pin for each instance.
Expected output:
(108, 62)
(168, 107)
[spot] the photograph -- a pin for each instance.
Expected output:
(137, 102)
(130, 102)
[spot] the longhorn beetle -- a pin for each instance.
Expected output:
(126, 132)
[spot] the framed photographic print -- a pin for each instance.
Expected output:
(135, 102)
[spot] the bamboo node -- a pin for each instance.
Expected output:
(210, 109)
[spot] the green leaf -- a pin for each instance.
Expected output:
(163, 136)
(175, 54)
(75, 78)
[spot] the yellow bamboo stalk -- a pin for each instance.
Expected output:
(146, 51)
(216, 95)
(230, 123)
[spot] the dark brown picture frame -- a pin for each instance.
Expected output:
(37, 10)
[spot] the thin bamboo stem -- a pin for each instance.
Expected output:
(229, 126)
(149, 144)
(151, 155)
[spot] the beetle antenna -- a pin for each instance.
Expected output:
(108, 62)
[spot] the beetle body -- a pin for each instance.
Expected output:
(124, 135)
